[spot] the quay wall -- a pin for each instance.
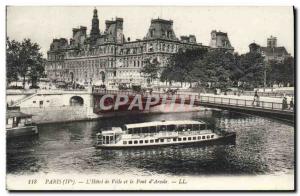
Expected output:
(48, 98)
(59, 114)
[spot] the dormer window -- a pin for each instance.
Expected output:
(152, 32)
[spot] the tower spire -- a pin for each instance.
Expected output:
(95, 31)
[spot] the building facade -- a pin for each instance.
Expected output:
(108, 57)
(220, 40)
(271, 52)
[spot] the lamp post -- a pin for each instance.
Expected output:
(265, 71)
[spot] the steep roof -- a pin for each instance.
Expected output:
(274, 51)
(160, 123)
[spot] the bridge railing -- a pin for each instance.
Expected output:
(245, 103)
(208, 99)
(262, 94)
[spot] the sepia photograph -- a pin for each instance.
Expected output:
(150, 98)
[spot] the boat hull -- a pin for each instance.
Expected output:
(21, 131)
(228, 138)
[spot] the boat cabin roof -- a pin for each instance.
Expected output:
(112, 131)
(161, 123)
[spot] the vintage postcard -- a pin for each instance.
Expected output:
(149, 98)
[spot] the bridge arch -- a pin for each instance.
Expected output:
(76, 101)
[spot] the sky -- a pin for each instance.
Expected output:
(244, 25)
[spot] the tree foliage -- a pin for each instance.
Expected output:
(12, 60)
(218, 68)
(281, 72)
(151, 69)
(24, 60)
(253, 66)
(180, 66)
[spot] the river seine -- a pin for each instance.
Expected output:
(263, 146)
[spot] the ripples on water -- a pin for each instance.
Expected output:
(263, 146)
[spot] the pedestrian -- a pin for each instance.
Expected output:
(284, 103)
(292, 104)
(257, 101)
(254, 100)
(256, 94)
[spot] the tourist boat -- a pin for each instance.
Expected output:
(162, 133)
(19, 124)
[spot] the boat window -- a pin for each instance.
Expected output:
(196, 127)
(199, 137)
(203, 137)
(125, 142)
(171, 127)
(146, 141)
(162, 128)
(212, 136)
(145, 129)
(130, 142)
(161, 140)
(152, 129)
(151, 141)
(111, 138)
(141, 141)
(156, 140)
(208, 137)
(202, 127)
(194, 138)
(174, 139)
(189, 127)
(137, 130)
(135, 142)
(189, 138)
(184, 139)
(130, 131)
(179, 139)
(180, 128)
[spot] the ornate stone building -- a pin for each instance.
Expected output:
(107, 57)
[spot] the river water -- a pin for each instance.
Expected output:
(263, 146)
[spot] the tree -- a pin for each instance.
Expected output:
(180, 65)
(25, 59)
(252, 65)
(150, 69)
(12, 52)
(281, 72)
(215, 68)
(31, 61)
